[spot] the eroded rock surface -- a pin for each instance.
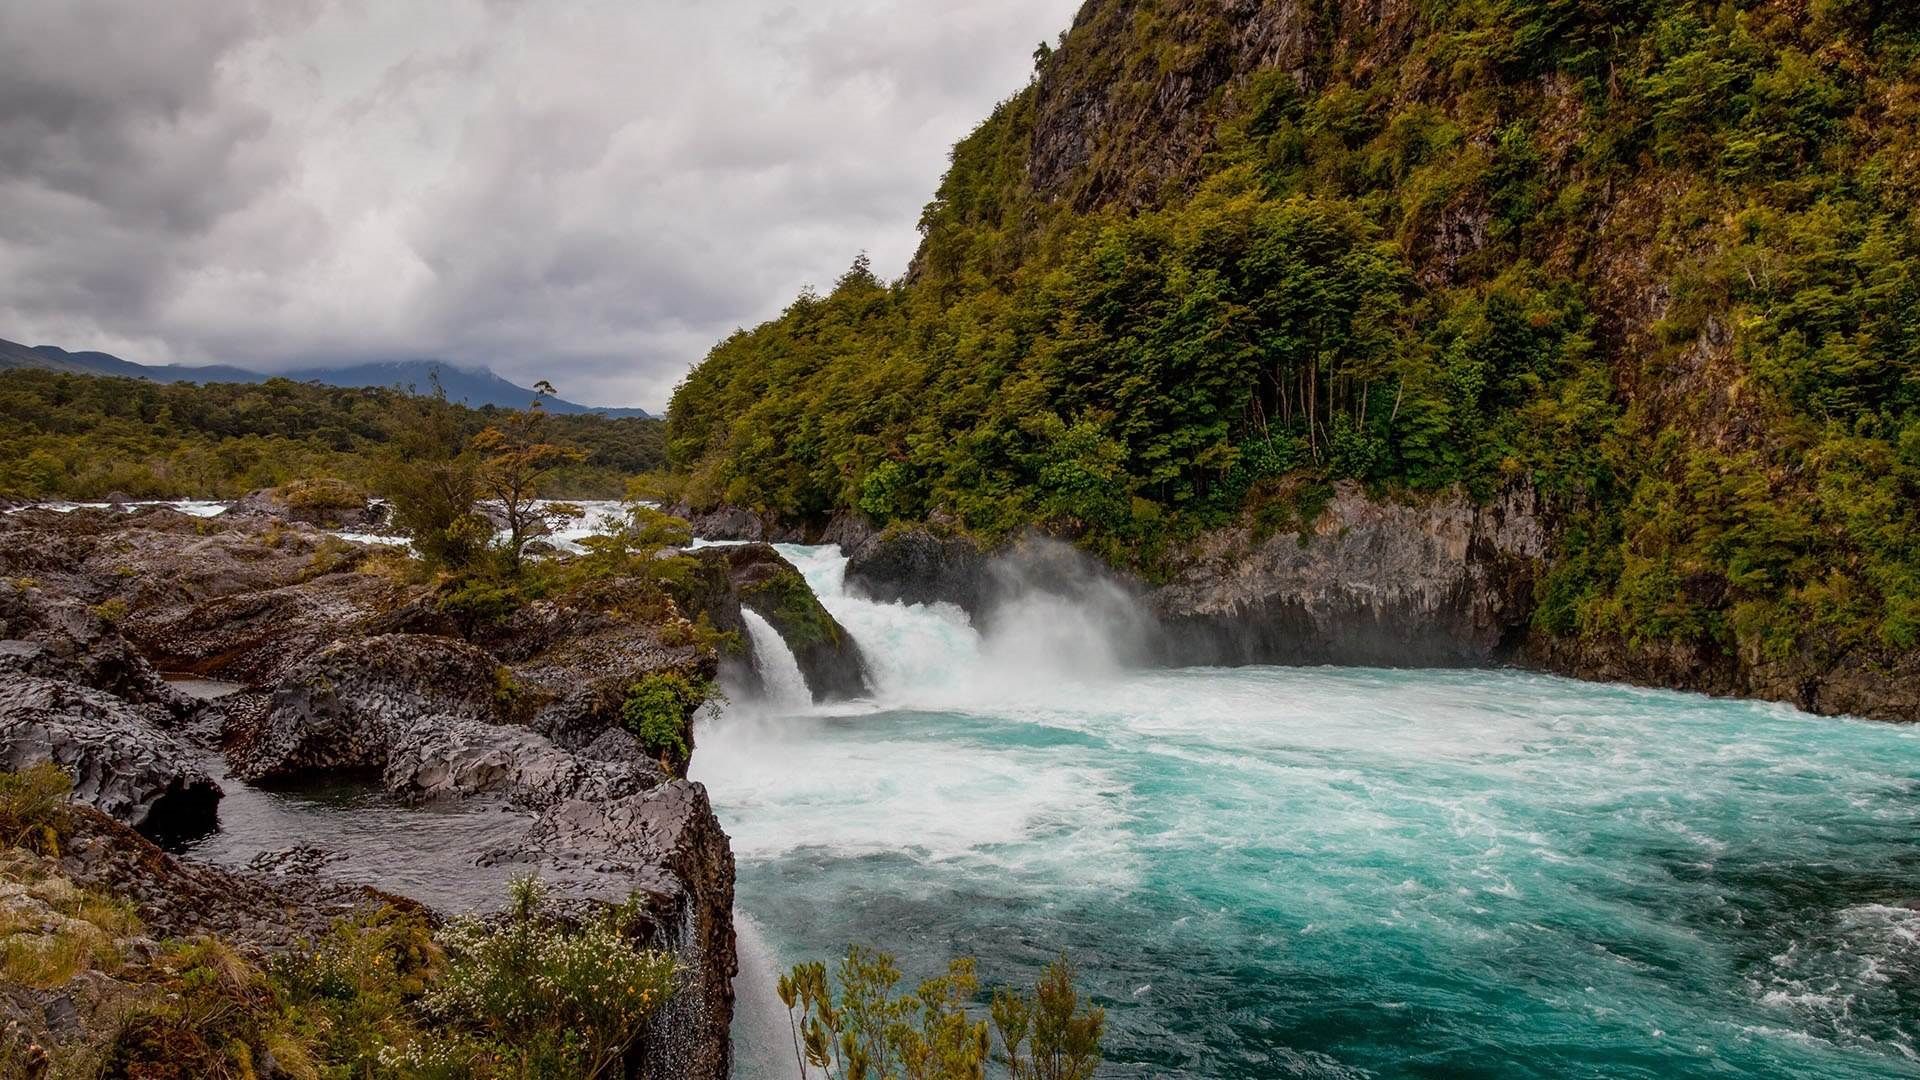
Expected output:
(1438, 580)
(123, 760)
(756, 577)
(423, 712)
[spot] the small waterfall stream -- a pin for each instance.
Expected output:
(783, 684)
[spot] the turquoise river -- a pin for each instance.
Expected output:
(1275, 872)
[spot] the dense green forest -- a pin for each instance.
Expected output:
(85, 437)
(1658, 259)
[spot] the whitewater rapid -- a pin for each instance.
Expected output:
(1336, 872)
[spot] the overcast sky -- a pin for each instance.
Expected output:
(591, 192)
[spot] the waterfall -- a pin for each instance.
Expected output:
(913, 651)
(1035, 644)
(784, 686)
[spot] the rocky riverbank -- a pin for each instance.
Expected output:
(347, 668)
(1436, 580)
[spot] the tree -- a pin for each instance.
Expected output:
(514, 456)
(433, 484)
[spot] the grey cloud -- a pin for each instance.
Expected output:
(593, 192)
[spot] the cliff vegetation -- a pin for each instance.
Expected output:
(1657, 261)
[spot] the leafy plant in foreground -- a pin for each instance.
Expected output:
(853, 1027)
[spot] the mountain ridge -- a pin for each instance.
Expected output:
(476, 387)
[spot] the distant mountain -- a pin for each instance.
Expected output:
(469, 386)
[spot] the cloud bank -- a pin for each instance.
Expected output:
(591, 191)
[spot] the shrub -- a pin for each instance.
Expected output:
(322, 493)
(855, 1027)
(571, 1000)
(658, 709)
(33, 807)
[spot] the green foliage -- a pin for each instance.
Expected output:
(659, 709)
(1657, 260)
(855, 1027)
(550, 999)
(516, 997)
(84, 437)
(33, 807)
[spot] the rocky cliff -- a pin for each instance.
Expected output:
(1654, 262)
(1431, 581)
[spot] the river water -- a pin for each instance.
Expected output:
(1272, 872)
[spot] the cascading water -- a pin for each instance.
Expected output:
(783, 686)
(1337, 873)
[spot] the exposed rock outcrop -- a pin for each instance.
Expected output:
(755, 576)
(329, 504)
(1433, 581)
(423, 712)
(123, 760)
(63, 639)
(667, 845)
(913, 564)
(241, 599)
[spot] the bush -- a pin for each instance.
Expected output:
(33, 807)
(322, 493)
(861, 1029)
(569, 1001)
(659, 708)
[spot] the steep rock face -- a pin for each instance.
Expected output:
(666, 843)
(1437, 581)
(123, 760)
(1879, 686)
(913, 565)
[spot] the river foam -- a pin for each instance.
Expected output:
(1334, 872)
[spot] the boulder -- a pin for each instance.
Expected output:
(123, 760)
(915, 565)
(329, 504)
(422, 711)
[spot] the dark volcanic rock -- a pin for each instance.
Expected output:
(178, 898)
(915, 565)
(1438, 581)
(63, 639)
(422, 712)
(328, 504)
(122, 758)
(668, 846)
(573, 665)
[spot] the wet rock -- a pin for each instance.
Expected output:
(757, 577)
(64, 639)
(123, 760)
(178, 898)
(916, 565)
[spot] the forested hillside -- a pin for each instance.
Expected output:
(1658, 259)
(87, 436)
